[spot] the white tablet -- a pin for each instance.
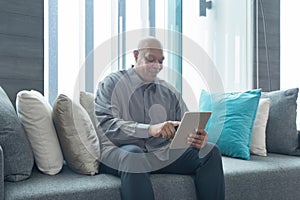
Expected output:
(189, 122)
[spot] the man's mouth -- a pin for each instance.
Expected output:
(154, 72)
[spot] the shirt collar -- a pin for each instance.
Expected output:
(137, 81)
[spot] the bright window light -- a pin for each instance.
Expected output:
(289, 47)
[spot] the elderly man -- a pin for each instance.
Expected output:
(137, 114)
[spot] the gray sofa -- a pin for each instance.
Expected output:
(273, 177)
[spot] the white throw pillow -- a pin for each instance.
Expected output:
(77, 136)
(35, 114)
(258, 141)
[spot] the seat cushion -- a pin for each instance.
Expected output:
(273, 177)
(68, 185)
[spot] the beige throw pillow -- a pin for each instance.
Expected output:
(35, 114)
(87, 101)
(258, 140)
(77, 136)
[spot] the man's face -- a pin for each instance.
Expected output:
(149, 63)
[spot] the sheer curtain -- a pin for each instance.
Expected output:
(120, 24)
(112, 22)
(226, 35)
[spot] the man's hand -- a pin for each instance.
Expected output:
(198, 139)
(165, 129)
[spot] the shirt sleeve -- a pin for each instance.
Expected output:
(109, 122)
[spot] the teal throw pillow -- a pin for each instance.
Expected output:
(230, 125)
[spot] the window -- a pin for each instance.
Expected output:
(225, 34)
(88, 39)
(64, 47)
(290, 41)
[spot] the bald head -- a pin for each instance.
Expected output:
(149, 43)
(146, 45)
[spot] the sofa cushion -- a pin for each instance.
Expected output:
(35, 114)
(258, 140)
(281, 133)
(68, 185)
(77, 136)
(18, 157)
(232, 119)
(275, 176)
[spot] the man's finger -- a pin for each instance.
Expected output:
(175, 123)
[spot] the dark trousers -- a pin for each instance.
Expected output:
(205, 164)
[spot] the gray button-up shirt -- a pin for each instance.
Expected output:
(125, 106)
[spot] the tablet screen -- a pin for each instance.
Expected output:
(189, 122)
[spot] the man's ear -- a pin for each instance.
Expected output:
(135, 54)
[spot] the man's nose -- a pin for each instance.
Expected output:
(157, 64)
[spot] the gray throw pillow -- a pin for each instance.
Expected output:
(77, 136)
(281, 133)
(18, 156)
